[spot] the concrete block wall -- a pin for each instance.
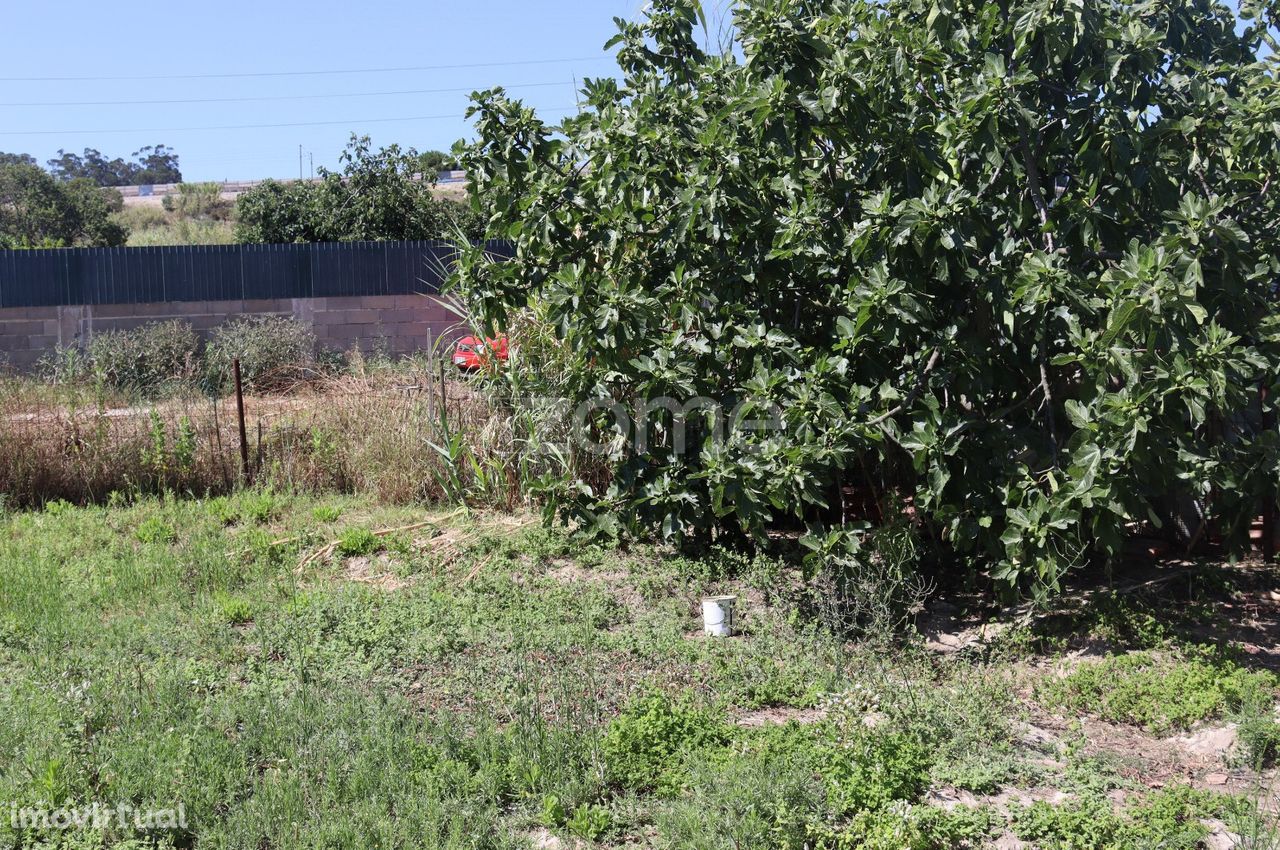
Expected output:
(398, 324)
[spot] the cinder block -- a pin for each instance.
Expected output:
(330, 318)
(42, 342)
(410, 302)
(22, 327)
(345, 303)
(361, 317)
(269, 305)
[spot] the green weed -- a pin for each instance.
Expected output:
(155, 530)
(326, 513)
(1160, 693)
(358, 541)
(644, 746)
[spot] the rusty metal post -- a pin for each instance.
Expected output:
(244, 436)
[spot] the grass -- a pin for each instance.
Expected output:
(342, 434)
(1160, 692)
(503, 680)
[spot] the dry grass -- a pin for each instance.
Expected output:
(398, 437)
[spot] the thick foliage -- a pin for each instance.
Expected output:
(37, 211)
(145, 360)
(376, 196)
(1009, 266)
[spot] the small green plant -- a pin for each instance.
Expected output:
(589, 821)
(234, 609)
(644, 746)
(260, 506)
(57, 507)
(552, 813)
(1258, 740)
(222, 509)
(1171, 818)
(326, 513)
(154, 530)
(358, 541)
(155, 453)
(184, 447)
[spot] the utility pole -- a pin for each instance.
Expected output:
(300, 174)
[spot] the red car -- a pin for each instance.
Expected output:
(471, 353)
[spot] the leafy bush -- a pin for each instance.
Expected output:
(645, 745)
(1032, 306)
(37, 211)
(146, 360)
(377, 195)
(272, 350)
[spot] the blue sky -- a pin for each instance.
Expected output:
(131, 38)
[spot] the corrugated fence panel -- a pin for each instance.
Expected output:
(67, 276)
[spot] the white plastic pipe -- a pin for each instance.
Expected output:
(717, 615)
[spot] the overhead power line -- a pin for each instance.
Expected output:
(272, 97)
(311, 73)
(350, 121)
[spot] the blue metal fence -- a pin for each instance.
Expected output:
(69, 276)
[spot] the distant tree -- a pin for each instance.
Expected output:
(38, 211)
(153, 164)
(156, 164)
(16, 159)
(433, 162)
(378, 195)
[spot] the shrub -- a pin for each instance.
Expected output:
(198, 201)
(377, 195)
(146, 360)
(273, 350)
(943, 273)
(644, 747)
(868, 588)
